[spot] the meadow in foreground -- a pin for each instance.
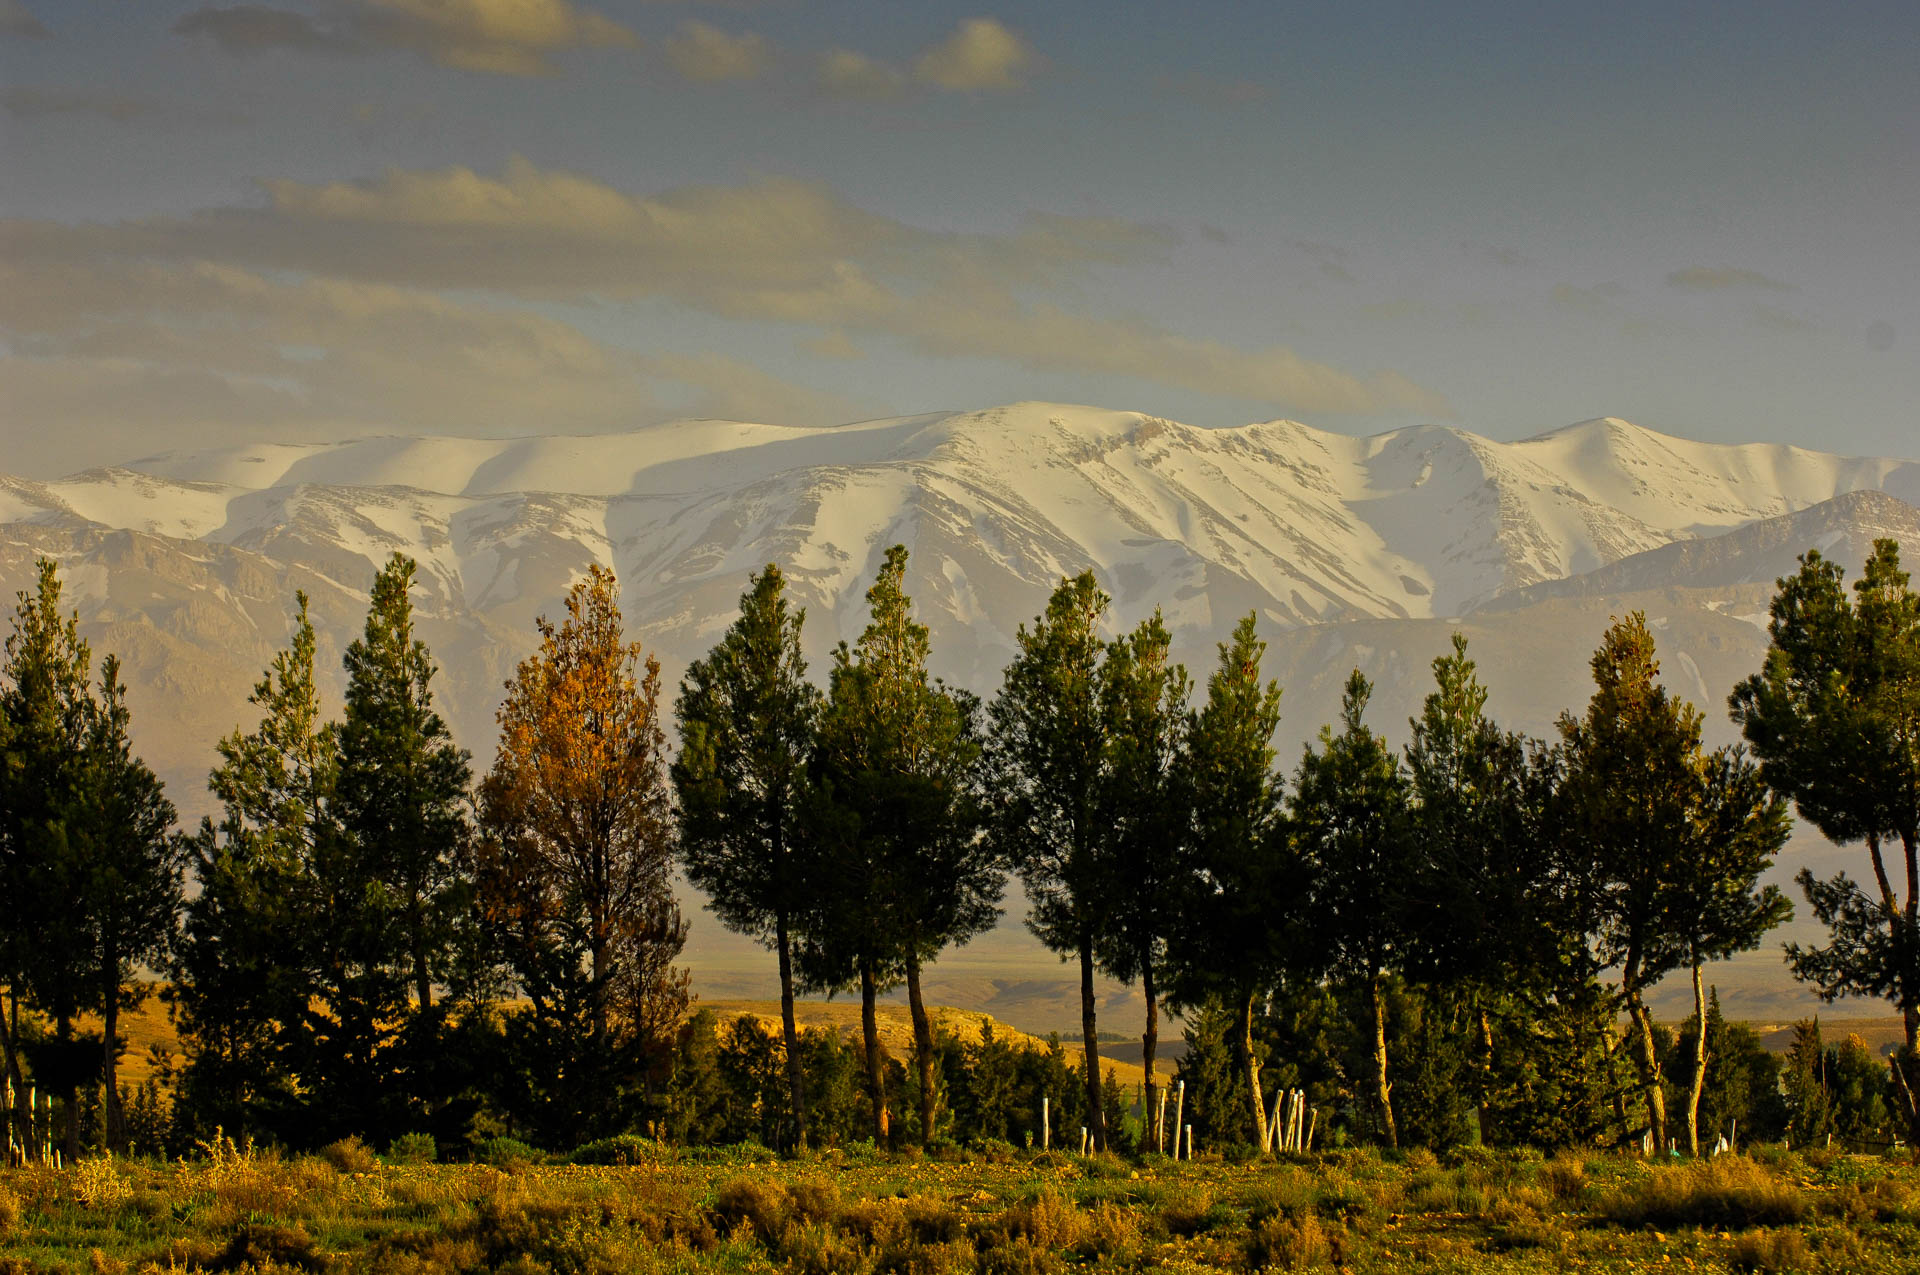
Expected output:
(347, 1210)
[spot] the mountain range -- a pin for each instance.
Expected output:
(1354, 552)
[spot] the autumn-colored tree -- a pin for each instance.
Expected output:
(580, 845)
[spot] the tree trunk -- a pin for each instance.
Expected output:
(1699, 1062)
(110, 1061)
(1149, 1045)
(1090, 1038)
(1252, 1064)
(70, 1097)
(922, 1047)
(1486, 1078)
(870, 1027)
(1383, 1089)
(796, 1084)
(1650, 1072)
(422, 978)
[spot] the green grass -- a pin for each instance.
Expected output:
(655, 1210)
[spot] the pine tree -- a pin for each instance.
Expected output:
(1481, 897)
(131, 861)
(1349, 814)
(1232, 943)
(1671, 839)
(1834, 717)
(1047, 751)
(580, 840)
(400, 796)
(1144, 700)
(897, 753)
(241, 984)
(747, 718)
(47, 703)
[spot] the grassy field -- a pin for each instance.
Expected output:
(857, 1211)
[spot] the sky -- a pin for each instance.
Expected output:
(317, 219)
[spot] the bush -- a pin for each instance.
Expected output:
(1727, 1191)
(1769, 1252)
(505, 1153)
(622, 1149)
(413, 1148)
(1288, 1244)
(350, 1155)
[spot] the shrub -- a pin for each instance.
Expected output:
(413, 1148)
(1288, 1244)
(98, 1185)
(269, 1248)
(1564, 1176)
(621, 1149)
(9, 1211)
(349, 1155)
(1769, 1252)
(1727, 1191)
(751, 1201)
(505, 1153)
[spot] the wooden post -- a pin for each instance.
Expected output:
(1179, 1110)
(1160, 1122)
(1189, 1142)
(1311, 1126)
(1046, 1124)
(1083, 1139)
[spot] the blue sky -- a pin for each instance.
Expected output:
(319, 218)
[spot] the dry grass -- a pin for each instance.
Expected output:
(240, 1208)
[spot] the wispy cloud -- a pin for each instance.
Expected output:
(706, 54)
(504, 37)
(1724, 279)
(981, 55)
(17, 22)
(779, 251)
(27, 102)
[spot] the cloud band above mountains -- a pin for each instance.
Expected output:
(261, 299)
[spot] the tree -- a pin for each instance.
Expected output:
(130, 870)
(240, 984)
(1232, 944)
(1349, 815)
(747, 717)
(580, 843)
(895, 772)
(48, 706)
(400, 795)
(1481, 897)
(1673, 838)
(1046, 758)
(1144, 702)
(1834, 717)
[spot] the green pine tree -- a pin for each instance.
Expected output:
(1349, 815)
(1046, 758)
(1232, 945)
(747, 717)
(241, 981)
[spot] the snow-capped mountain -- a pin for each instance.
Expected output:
(1360, 552)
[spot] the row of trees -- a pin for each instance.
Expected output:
(378, 944)
(1157, 840)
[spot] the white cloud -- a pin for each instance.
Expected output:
(981, 54)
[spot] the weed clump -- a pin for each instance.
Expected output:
(350, 1155)
(1727, 1191)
